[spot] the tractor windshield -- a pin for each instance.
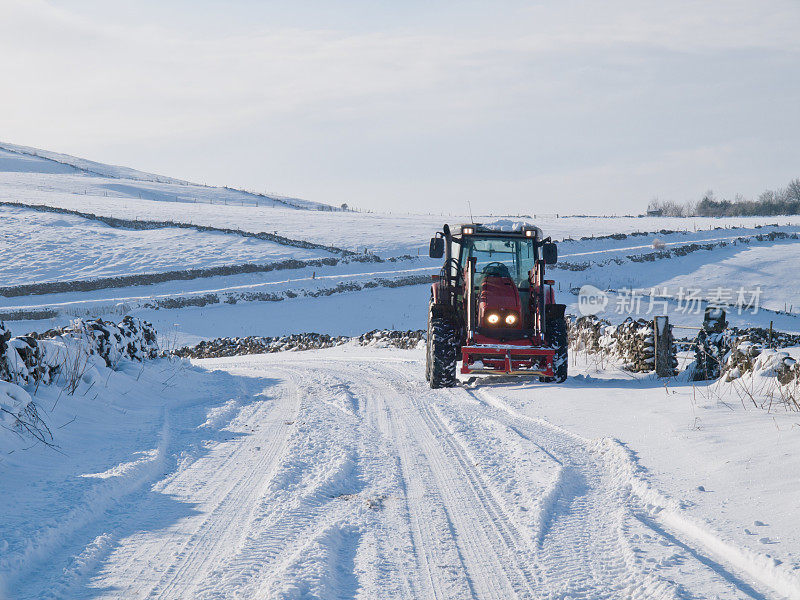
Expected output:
(496, 256)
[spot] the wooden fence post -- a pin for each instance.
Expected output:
(662, 343)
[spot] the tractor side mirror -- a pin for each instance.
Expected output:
(549, 253)
(437, 248)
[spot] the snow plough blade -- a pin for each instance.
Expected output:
(507, 360)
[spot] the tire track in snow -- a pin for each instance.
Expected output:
(497, 557)
(646, 507)
(169, 563)
(524, 581)
(582, 547)
(228, 522)
(585, 547)
(384, 488)
(50, 540)
(437, 554)
(436, 561)
(314, 529)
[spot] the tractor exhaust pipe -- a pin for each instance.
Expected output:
(468, 297)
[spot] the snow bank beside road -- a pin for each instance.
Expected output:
(115, 436)
(64, 357)
(14, 402)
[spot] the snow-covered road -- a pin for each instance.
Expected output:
(346, 477)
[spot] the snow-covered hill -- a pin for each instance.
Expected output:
(25, 159)
(52, 173)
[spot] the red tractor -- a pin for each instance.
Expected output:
(492, 304)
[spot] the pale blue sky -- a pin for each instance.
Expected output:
(417, 106)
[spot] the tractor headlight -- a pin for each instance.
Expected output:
(511, 319)
(493, 318)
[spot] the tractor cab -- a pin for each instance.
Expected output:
(492, 298)
(500, 278)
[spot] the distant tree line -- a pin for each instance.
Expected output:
(782, 201)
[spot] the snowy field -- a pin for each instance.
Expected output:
(337, 473)
(63, 247)
(385, 235)
(59, 247)
(609, 264)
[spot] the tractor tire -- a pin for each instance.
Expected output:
(442, 353)
(557, 337)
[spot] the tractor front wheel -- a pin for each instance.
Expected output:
(442, 353)
(557, 336)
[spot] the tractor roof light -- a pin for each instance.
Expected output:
(467, 230)
(533, 232)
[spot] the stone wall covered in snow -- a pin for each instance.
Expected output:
(60, 356)
(221, 347)
(732, 352)
(632, 341)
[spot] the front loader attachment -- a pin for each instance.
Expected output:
(506, 359)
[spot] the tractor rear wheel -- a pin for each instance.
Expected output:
(442, 352)
(557, 338)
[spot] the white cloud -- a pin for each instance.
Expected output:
(528, 96)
